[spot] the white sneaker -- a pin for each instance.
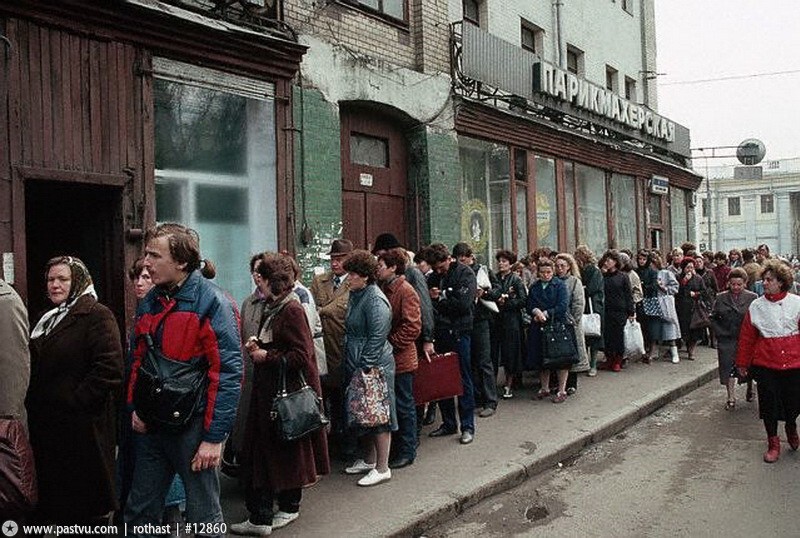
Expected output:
(359, 467)
(592, 372)
(245, 528)
(375, 477)
(281, 519)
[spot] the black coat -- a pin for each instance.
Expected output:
(76, 377)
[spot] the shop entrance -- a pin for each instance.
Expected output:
(82, 220)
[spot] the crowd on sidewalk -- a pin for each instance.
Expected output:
(141, 432)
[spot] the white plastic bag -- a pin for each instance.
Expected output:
(634, 341)
(590, 323)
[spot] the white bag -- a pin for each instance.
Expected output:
(591, 323)
(634, 341)
(483, 278)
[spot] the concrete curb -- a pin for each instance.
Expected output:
(445, 508)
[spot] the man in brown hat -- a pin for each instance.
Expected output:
(331, 293)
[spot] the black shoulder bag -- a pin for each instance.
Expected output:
(168, 392)
(299, 413)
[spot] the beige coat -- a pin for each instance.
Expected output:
(15, 361)
(332, 308)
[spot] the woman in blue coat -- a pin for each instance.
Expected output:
(548, 301)
(366, 344)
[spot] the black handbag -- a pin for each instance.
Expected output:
(652, 307)
(168, 393)
(700, 318)
(299, 413)
(558, 344)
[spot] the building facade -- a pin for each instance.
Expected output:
(272, 125)
(745, 206)
(118, 114)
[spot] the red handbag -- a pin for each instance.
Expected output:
(438, 378)
(18, 493)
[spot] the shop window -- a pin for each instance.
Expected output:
(623, 193)
(704, 208)
(592, 213)
(215, 153)
(522, 218)
(546, 203)
(679, 216)
(369, 150)
(734, 206)
(485, 199)
(569, 203)
(767, 203)
(472, 11)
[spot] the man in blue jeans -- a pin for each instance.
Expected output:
(190, 320)
(453, 289)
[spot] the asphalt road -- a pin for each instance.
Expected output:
(690, 469)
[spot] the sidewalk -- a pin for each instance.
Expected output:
(524, 438)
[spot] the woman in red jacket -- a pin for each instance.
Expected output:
(769, 349)
(406, 328)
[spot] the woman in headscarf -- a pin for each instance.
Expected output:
(76, 375)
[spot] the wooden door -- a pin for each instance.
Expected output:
(374, 177)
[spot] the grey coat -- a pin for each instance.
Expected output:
(366, 339)
(15, 360)
(577, 302)
(668, 328)
(726, 320)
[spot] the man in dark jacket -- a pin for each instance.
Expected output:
(190, 320)
(484, 378)
(452, 289)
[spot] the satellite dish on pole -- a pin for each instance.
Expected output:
(751, 151)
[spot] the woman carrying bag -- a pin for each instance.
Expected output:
(275, 470)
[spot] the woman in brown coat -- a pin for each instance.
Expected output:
(406, 328)
(76, 373)
(276, 470)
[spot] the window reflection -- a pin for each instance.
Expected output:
(592, 223)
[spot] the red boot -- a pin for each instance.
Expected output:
(773, 449)
(792, 437)
(616, 366)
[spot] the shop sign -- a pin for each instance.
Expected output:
(579, 92)
(659, 185)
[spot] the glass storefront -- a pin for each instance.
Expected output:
(623, 197)
(592, 216)
(680, 222)
(216, 172)
(546, 203)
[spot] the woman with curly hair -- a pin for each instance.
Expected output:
(367, 328)
(593, 291)
(769, 350)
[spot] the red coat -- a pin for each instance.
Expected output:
(770, 333)
(406, 323)
(266, 459)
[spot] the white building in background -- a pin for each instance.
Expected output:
(749, 205)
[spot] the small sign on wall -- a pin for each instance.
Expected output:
(8, 267)
(659, 185)
(365, 180)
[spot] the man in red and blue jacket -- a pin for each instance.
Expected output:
(189, 319)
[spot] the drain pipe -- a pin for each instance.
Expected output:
(559, 45)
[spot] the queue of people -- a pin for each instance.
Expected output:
(201, 380)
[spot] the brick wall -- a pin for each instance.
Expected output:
(318, 167)
(435, 171)
(420, 44)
